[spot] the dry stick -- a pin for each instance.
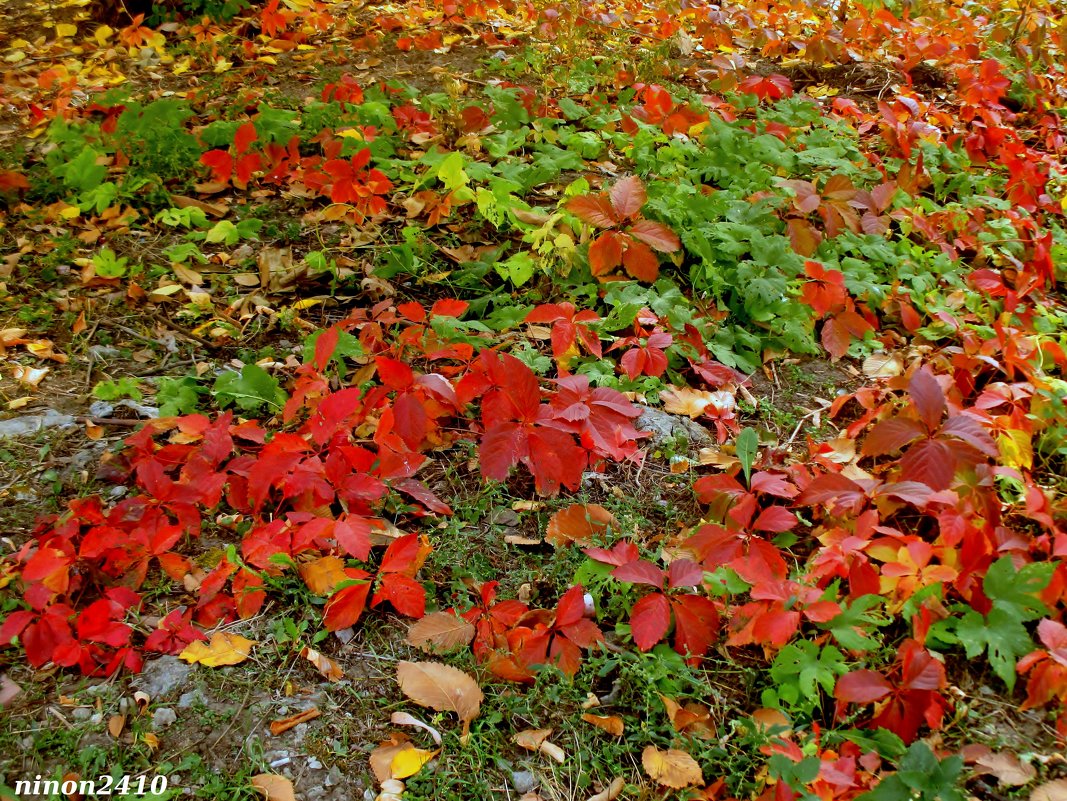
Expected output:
(121, 422)
(182, 330)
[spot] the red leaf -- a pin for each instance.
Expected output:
(656, 235)
(835, 489)
(927, 396)
(345, 606)
(931, 462)
(244, 138)
(649, 620)
(407, 596)
(640, 261)
(775, 519)
(639, 572)
(605, 253)
(325, 346)
(593, 209)
(696, 624)
(891, 435)
(628, 196)
(862, 687)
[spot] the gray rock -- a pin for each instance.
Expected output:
(191, 698)
(82, 713)
(32, 423)
(164, 676)
(163, 717)
(663, 426)
(523, 781)
(314, 764)
(334, 777)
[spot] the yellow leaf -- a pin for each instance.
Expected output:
(65, 30)
(671, 768)
(103, 33)
(224, 649)
(182, 66)
(409, 761)
(70, 212)
(1016, 449)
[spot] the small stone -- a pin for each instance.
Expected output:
(191, 698)
(163, 717)
(314, 764)
(164, 676)
(97, 718)
(333, 777)
(82, 713)
(523, 781)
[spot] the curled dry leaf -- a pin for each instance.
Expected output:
(440, 633)
(579, 523)
(691, 718)
(442, 688)
(612, 724)
(404, 719)
(531, 739)
(224, 649)
(883, 365)
(326, 666)
(381, 758)
(671, 768)
(274, 787)
(611, 792)
(284, 724)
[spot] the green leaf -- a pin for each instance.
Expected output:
(746, 447)
(450, 171)
(517, 268)
(851, 626)
(251, 389)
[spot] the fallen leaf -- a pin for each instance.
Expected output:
(579, 523)
(326, 666)
(284, 724)
(404, 719)
(531, 739)
(440, 633)
(151, 740)
(1009, 770)
(115, 725)
(671, 768)
(29, 376)
(691, 718)
(612, 724)
(224, 649)
(696, 402)
(1050, 791)
(611, 792)
(9, 691)
(381, 758)
(274, 787)
(883, 365)
(409, 761)
(442, 688)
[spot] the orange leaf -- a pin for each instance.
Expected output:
(579, 523)
(612, 724)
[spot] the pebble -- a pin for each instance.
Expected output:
(163, 676)
(82, 713)
(523, 781)
(314, 764)
(163, 717)
(191, 698)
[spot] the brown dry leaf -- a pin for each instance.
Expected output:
(224, 649)
(692, 718)
(9, 691)
(115, 725)
(29, 376)
(1050, 791)
(1009, 770)
(442, 688)
(883, 365)
(686, 401)
(326, 666)
(323, 574)
(671, 768)
(284, 724)
(184, 202)
(274, 787)
(579, 523)
(612, 724)
(440, 633)
(531, 739)
(611, 792)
